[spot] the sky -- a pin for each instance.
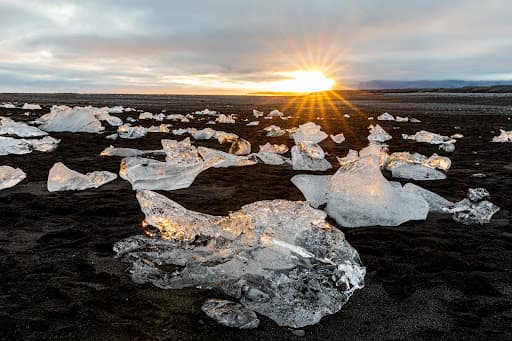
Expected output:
(228, 46)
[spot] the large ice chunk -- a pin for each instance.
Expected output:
(314, 187)
(61, 178)
(474, 209)
(309, 132)
(10, 127)
(279, 258)
(309, 156)
(10, 177)
(78, 119)
(359, 195)
(240, 147)
(436, 203)
(9, 145)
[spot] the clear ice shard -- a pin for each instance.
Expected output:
(436, 203)
(29, 106)
(314, 187)
(126, 131)
(401, 119)
(253, 123)
(378, 134)
(225, 119)
(257, 113)
(310, 131)
(126, 152)
(76, 120)
(228, 160)
(61, 178)
(427, 137)
(416, 172)
(474, 209)
(504, 136)
(359, 195)
(230, 314)
(417, 166)
(9, 145)
(21, 129)
(309, 156)
(269, 158)
(278, 258)
(143, 173)
(339, 138)
(273, 148)
(274, 131)
(240, 147)
(385, 117)
(10, 177)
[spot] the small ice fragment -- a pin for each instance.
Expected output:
(223, 137)
(28, 106)
(274, 131)
(505, 136)
(10, 177)
(10, 127)
(385, 117)
(146, 115)
(126, 131)
(309, 132)
(414, 120)
(118, 109)
(227, 160)
(257, 113)
(230, 314)
(240, 147)
(447, 147)
(378, 134)
(339, 138)
(253, 123)
(309, 156)
(313, 187)
(274, 148)
(203, 134)
(401, 119)
(427, 137)
(225, 119)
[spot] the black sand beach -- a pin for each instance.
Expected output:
(426, 280)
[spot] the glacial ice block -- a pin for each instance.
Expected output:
(278, 258)
(228, 160)
(359, 195)
(378, 134)
(240, 147)
(504, 136)
(338, 138)
(436, 203)
(21, 129)
(314, 187)
(61, 178)
(309, 156)
(309, 132)
(385, 117)
(126, 131)
(10, 177)
(474, 209)
(78, 119)
(225, 119)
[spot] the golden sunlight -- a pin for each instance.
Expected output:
(302, 81)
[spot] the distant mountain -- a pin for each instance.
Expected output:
(426, 84)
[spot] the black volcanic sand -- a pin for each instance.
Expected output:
(426, 280)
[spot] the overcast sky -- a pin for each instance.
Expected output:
(229, 45)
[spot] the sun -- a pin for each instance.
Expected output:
(303, 81)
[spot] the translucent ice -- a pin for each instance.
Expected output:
(230, 314)
(228, 160)
(78, 119)
(118, 109)
(240, 147)
(505, 136)
(225, 119)
(309, 132)
(10, 177)
(279, 258)
(103, 114)
(125, 152)
(126, 131)
(257, 113)
(427, 137)
(274, 131)
(474, 209)
(223, 137)
(146, 115)
(203, 134)
(401, 119)
(9, 145)
(309, 156)
(10, 127)
(253, 123)
(61, 178)
(359, 195)
(313, 187)
(436, 203)
(339, 138)
(378, 134)
(274, 148)
(29, 106)
(385, 117)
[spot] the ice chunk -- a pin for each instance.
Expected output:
(146, 115)
(339, 138)
(28, 106)
(416, 172)
(10, 127)
(416, 166)
(309, 156)
(162, 128)
(126, 152)
(61, 178)
(225, 119)
(436, 203)
(102, 114)
(10, 177)
(309, 132)
(230, 314)
(145, 173)
(385, 117)
(378, 134)
(240, 147)
(505, 136)
(414, 120)
(346, 116)
(180, 131)
(180, 153)
(126, 131)
(203, 134)
(359, 195)
(401, 119)
(8, 106)
(351, 156)
(274, 148)
(178, 117)
(438, 162)
(275, 113)
(46, 144)
(228, 160)
(78, 119)
(279, 258)
(206, 112)
(257, 113)
(274, 131)
(447, 147)
(9, 145)
(253, 123)
(427, 137)
(474, 209)
(118, 109)
(224, 137)
(269, 158)
(313, 187)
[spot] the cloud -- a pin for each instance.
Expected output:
(155, 45)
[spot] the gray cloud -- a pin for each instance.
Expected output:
(130, 45)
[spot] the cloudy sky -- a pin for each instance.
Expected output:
(238, 46)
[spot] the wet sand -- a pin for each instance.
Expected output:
(433, 279)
